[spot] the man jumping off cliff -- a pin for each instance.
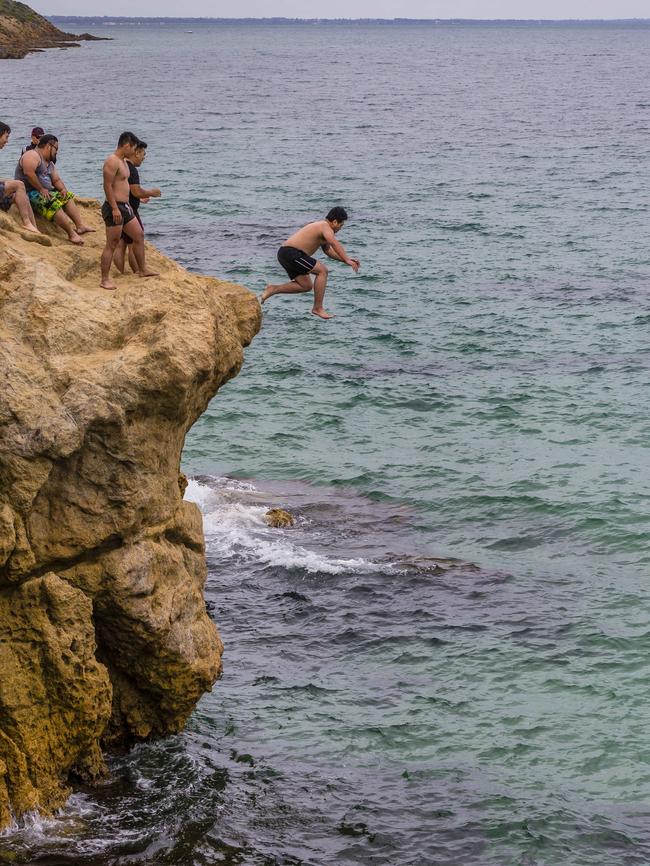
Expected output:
(117, 213)
(295, 256)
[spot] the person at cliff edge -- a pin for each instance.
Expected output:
(295, 256)
(14, 192)
(137, 194)
(117, 213)
(48, 195)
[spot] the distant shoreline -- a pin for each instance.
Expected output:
(471, 22)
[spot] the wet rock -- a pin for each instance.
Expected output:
(104, 634)
(278, 518)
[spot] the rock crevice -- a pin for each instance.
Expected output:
(104, 635)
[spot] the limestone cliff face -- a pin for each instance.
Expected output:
(104, 636)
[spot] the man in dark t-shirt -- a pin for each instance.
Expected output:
(136, 195)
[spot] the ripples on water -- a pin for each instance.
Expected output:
(481, 397)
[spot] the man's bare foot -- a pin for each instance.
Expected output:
(148, 273)
(266, 294)
(30, 227)
(75, 239)
(83, 230)
(320, 312)
(107, 284)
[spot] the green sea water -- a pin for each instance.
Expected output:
(481, 395)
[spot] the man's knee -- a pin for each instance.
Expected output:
(14, 186)
(322, 269)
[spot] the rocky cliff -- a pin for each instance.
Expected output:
(22, 30)
(104, 636)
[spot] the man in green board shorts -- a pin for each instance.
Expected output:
(47, 193)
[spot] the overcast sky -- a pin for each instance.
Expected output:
(352, 8)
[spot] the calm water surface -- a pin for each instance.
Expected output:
(446, 660)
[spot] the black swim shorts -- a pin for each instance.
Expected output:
(125, 209)
(5, 200)
(295, 262)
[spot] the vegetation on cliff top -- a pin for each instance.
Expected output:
(19, 11)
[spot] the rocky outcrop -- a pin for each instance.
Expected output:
(104, 635)
(22, 30)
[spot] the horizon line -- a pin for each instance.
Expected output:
(365, 18)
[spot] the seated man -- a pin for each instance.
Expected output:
(47, 192)
(13, 191)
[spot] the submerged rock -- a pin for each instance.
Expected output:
(278, 518)
(104, 635)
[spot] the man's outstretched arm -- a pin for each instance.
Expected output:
(334, 246)
(331, 252)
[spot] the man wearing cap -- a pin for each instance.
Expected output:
(37, 132)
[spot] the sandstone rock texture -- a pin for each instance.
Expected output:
(104, 635)
(22, 30)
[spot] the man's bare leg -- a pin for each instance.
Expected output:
(300, 284)
(119, 254)
(68, 227)
(73, 212)
(21, 200)
(320, 283)
(113, 235)
(134, 230)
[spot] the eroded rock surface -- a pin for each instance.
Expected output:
(104, 635)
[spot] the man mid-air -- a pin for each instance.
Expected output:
(295, 256)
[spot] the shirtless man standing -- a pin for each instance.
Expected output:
(295, 256)
(117, 213)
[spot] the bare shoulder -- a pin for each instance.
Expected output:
(30, 157)
(112, 161)
(325, 229)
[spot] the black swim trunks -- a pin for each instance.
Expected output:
(5, 200)
(295, 261)
(125, 209)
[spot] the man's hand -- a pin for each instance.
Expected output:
(355, 264)
(154, 193)
(117, 216)
(46, 193)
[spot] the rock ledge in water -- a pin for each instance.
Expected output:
(104, 635)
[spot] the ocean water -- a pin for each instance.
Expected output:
(446, 660)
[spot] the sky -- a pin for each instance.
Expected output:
(351, 8)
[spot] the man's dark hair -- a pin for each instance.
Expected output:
(337, 213)
(141, 145)
(4, 127)
(127, 138)
(46, 139)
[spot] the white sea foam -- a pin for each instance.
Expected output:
(237, 529)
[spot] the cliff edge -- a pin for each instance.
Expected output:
(104, 635)
(22, 30)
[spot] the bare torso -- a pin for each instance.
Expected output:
(309, 238)
(120, 174)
